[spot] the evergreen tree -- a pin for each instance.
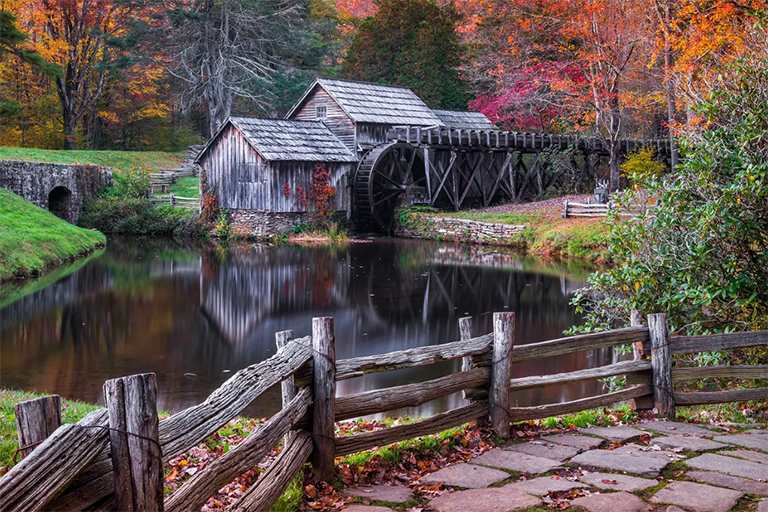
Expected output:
(413, 43)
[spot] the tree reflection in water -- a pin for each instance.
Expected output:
(194, 314)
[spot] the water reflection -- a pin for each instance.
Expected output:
(196, 314)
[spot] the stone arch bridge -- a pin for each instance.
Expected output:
(58, 188)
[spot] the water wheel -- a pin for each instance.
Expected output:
(387, 175)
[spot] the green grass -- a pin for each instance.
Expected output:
(184, 187)
(583, 419)
(546, 232)
(32, 239)
(149, 161)
(72, 411)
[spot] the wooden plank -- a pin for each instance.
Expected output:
(499, 392)
(324, 389)
(743, 372)
(273, 483)
(582, 404)
(720, 397)
(540, 381)
(187, 428)
(466, 332)
(431, 425)
(287, 389)
(35, 481)
(582, 342)
(636, 320)
(134, 443)
(408, 395)
(717, 342)
(204, 484)
(661, 359)
(35, 421)
(412, 358)
(190, 426)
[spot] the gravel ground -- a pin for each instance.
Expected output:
(549, 205)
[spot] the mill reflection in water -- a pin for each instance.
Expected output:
(194, 315)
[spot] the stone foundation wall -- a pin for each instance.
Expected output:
(265, 223)
(70, 184)
(459, 230)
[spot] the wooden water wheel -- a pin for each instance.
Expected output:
(387, 175)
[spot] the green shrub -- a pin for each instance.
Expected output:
(137, 216)
(703, 256)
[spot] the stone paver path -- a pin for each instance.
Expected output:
(468, 476)
(713, 471)
(390, 493)
(500, 499)
(614, 502)
(619, 434)
(546, 484)
(512, 461)
(690, 443)
(545, 450)
(703, 498)
(757, 442)
(617, 482)
(676, 429)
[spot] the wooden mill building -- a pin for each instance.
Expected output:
(360, 114)
(250, 164)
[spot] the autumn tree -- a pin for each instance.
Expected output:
(74, 34)
(413, 43)
(561, 60)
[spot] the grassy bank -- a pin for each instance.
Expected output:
(33, 239)
(120, 161)
(546, 232)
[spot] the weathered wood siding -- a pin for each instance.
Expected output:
(297, 174)
(241, 179)
(228, 155)
(370, 134)
(336, 119)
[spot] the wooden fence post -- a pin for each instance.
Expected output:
(661, 362)
(134, 442)
(636, 320)
(323, 402)
(282, 338)
(503, 341)
(36, 420)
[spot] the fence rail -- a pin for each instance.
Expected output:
(178, 201)
(571, 209)
(81, 466)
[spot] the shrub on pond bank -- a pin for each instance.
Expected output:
(702, 257)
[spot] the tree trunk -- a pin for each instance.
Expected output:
(670, 88)
(614, 146)
(69, 131)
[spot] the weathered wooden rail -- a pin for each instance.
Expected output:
(93, 464)
(178, 201)
(571, 209)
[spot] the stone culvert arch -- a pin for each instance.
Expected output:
(58, 188)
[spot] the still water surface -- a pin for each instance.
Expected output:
(196, 314)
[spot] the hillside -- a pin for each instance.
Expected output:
(32, 239)
(117, 160)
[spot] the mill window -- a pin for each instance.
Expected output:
(321, 113)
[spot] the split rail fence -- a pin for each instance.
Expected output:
(112, 459)
(571, 209)
(178, 201)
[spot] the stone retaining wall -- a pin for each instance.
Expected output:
(460, 230)
(58, 188)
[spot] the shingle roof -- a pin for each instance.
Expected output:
(298, 141)
(464, 120)
(375, 103)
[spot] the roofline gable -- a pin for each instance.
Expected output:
(304, 97)
(229, 121)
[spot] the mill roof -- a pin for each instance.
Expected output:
(375, 103)
(297, 141)
(464, 120)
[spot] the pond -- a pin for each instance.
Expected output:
(196, 314)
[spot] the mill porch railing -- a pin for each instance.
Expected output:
(88, 465)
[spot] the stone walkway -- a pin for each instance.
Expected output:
(653, 466)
